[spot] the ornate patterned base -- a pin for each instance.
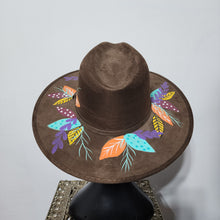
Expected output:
(67, 189)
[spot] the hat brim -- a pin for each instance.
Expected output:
(78, 150)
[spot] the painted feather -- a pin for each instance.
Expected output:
(161, 113)
(156, 95)
(159, 93)
(74, 134)
(158, 124)
(61, 101)
(58, 95)
(147, 134)
(138, 143)
(66, 112)
(69, 91)
(168, 105)
(77, 101)
(68, 78)
(58, 143)
(127, 158)
(165, 87)
(113, 148)
(65, 124)
(168, 96)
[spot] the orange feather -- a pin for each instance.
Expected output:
(77, 101)
(113, 148)
(161, 113)
(69, 91)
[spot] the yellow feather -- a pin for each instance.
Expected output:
(158, 124)
(168, 96)
(64, 100)
(74, 134)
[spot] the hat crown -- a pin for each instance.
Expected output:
(114, 88)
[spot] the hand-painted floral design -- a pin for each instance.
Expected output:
(64, 95)
(127, 145)
(70, 129)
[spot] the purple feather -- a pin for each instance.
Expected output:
(68, 78)
(64, 136)
(57, 142)
(147, 134)
(54, 149)
(165, 87)
(60, 145)
(58, 134)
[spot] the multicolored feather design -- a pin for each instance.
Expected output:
(127, 145)
(76, 133)
(66, 94)
(160, 105)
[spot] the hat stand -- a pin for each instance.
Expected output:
(123, 201)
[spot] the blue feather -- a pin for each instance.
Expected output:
(138, 143)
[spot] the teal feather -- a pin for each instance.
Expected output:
(138, 143)
(57, 125)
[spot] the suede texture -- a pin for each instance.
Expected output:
(114, 95)
(114, 80)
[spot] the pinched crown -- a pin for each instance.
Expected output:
(114, 88)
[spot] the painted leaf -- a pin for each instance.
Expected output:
(57, 125)
(64, 100)
(156, 96)
(159, 93)
(138, 143)
(57, 142)
(147, 134)
(66, 112)
(127, 158)
(74, 134)
(153, 93)
(69, 91)
(68, 78)
(165, 87)
(77, 101)
(54, 149)
(58, 95)
(168, 105)
(113, 148)
(158, 124)
(168, 96)
(161, 113)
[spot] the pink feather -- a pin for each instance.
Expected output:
(58, 95)
(168, 106)
(66, 112)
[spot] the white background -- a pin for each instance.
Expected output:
(41, 40)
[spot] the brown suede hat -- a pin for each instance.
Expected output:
(112, 121)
